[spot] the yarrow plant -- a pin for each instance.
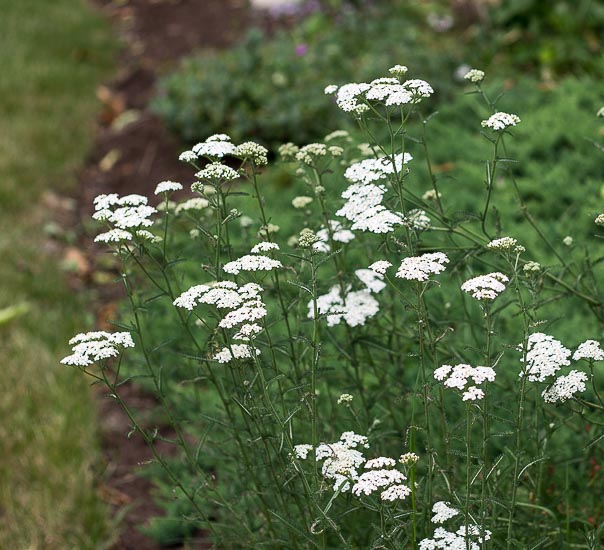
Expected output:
(298, 341)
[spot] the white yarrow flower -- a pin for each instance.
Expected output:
(500, 121)
(167, 187)
(485, 287)
(591, 350)
(419, 268)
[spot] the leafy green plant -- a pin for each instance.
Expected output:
(389, 367)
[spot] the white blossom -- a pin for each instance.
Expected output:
(167, 187)
(216, 171)
(442, 512)
(485, 287)
(565, 387)
(500, 121)
(90, 347)
(236, 351)
(252, 262)
(591, 350)
(380, 267)
(474, 75)
(545, 356)
(419, 268)
(264, 246)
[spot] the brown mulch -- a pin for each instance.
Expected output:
(133, 151)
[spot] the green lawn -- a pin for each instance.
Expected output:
(52, 56)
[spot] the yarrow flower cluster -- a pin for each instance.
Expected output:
(419, 268)
(590, 350)
(505, 243)
(442, 512)
(474, 75)
(459, 375)
(128, 215)
(167, 187)
(214, 171)
(215, 147)
(253, 151)
(196, 203)
(544, 357)
(448, 540)
(251, 262)
(90, 347)
(364, 197)
(301, 202)
(388, 482)
(500, 121)
(485, 287)
(356, 307)
(565, 387)
(341, 459)
(245, 305)
(389, 90)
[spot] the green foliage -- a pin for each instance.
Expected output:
(263, 90)
(236, 423)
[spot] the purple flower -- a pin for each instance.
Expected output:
(301, 49)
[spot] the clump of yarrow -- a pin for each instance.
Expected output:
(342, 463)
(127, 218)
(465, 378)
(91, 347)
(466, 537)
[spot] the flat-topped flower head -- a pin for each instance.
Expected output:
(196, 203)
(236, 351)
(500, 121)
(215, 171)
(251, 262)
(398, 70)
(419, 268)
(380, 462)
(565, 387)
(91, 347)
(301, 201)
(380, 267)
(474, 75)
(590, 350)
(443, 511)
(372, 170)
(216, 146)
(347, 97)
(341, 459)
(167, 187)
(377, 480)
(113, 236)
(486, 287)
(504, 243)
(187, 156)
(599, 220)
(252, 151)
(459, 377)
(264, 247)
(544, 357)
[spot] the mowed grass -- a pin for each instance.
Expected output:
(52, 56)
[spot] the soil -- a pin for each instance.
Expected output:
(133, 151)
